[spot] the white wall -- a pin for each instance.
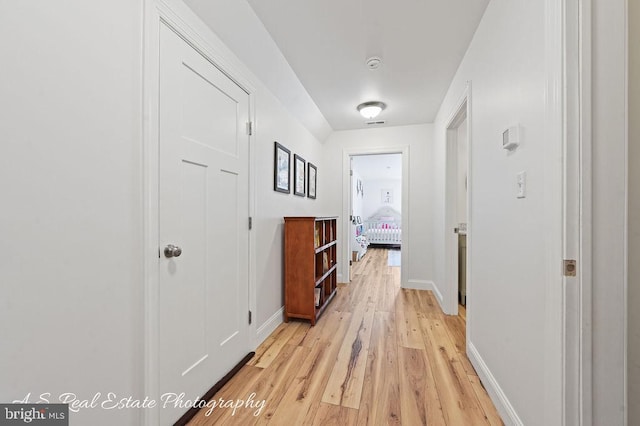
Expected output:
(419, 140)
(505, 63)
(274, 123)
(71, 220)
(71, 304)
(633, 355)
(372, 201)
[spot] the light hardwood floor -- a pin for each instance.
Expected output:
(379, 355)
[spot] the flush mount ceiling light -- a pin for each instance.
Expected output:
(370, 110)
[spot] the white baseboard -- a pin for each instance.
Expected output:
(500, 400)
(419, 285)
(436, 290)
(269, 325)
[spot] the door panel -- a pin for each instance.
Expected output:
(203, 98)
(190, 268)
(228, 323)
(203, 209)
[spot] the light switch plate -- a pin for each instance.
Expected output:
(521, 181)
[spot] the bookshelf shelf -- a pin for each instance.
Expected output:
(326, 246)
(319, 280)
(310, 266)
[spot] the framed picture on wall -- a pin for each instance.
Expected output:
(387, 196)
(312, 180)
(281, 167)
(299, 169)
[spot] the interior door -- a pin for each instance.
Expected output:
(203, 213)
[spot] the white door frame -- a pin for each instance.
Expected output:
(348, 242)
(578, 202)
(185, 23)
(568, 395)
(346, 194)
(461, 112)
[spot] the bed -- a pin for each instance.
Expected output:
(384, 227)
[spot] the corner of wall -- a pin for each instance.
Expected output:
(439, 297)
(269, 326)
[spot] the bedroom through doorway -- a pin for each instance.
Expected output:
(376, 208)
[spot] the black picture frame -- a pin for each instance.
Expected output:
(312, 180)
(281, 169)
(299, 175)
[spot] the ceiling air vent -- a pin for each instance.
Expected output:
(373, 123)
(374, 62)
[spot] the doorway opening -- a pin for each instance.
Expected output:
(375, 207)
(457, 211)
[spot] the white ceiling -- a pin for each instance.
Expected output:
(379, 166)
(326, 43)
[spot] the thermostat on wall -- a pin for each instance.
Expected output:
(511, 138)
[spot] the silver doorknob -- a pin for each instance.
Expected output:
(172, 251)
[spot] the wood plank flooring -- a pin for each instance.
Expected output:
(380, 355)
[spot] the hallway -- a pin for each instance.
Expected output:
(379, 355)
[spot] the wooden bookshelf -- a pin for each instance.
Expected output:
(310, 266)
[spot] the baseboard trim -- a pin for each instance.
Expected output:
(269, 326)
(500, 400)
(419, 285)
(182, 421)
(436, 290)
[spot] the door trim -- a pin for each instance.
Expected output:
(554, 132)
(461, 112)
(568, 386)
(187, 25)
(577, 198)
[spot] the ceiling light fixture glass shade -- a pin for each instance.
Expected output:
(371, 110)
